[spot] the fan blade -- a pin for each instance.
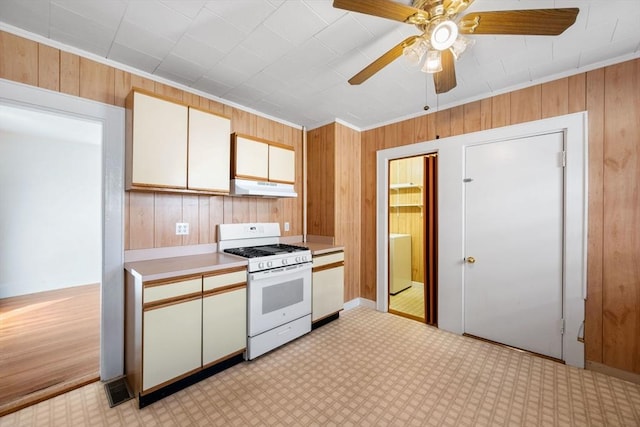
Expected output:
(381, 62)
(445, 80)
(540, 22)
(384, 9)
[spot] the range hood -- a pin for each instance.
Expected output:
(246, 187)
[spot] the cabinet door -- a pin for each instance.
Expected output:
(251, 158)
(328, 285)
(282, 164)
(328, 290)
(159, 143)
(224, 324)
(209, 151)
(172, 341)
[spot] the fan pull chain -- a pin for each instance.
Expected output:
(426, 93)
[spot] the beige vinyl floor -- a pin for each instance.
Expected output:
(409, 301)
(370, 368)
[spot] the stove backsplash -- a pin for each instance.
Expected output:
(150, 218)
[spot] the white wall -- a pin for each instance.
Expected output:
(50, 210)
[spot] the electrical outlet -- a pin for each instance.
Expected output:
(286, 226)
(182, 228)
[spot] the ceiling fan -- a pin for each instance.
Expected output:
(441, 40)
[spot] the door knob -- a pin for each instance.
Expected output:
(471, 259)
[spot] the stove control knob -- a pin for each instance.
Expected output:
(261, 265)
(297, 259)
(269, 264)
(285, 261)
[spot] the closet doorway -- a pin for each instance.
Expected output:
(413, 238)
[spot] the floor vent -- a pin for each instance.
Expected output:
(117, 391)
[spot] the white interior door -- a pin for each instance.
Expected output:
(513, 278)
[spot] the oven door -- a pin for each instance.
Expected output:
(278, 296)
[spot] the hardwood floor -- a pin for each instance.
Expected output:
(49, 344)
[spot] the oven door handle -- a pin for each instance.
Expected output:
(281, 271)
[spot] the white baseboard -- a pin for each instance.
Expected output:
(359, 302)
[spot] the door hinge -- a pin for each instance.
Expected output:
(561, 326)
(564, 159)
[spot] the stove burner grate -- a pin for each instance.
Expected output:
(265, 250)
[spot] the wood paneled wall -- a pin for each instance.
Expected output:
(333, 194)
(150, 217)
(348, 213)
(321, 173)
(611, 95)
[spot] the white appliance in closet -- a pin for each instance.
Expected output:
(399, 262)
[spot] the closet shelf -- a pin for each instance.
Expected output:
(404, 185)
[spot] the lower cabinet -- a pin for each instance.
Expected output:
(181, 330)
(224, 316)
(328, 285)
(172, 336)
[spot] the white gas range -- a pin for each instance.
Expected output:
(278, 284)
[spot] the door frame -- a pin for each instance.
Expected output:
(451, 221)
(112, 206)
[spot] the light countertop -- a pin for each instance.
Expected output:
(165, 268)
(320, 248)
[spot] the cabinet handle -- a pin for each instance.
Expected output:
(471, 260)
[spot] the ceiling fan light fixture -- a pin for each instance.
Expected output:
(433, 62)
(444, 34)
(414, 52)
(460, 45)
(455, 6)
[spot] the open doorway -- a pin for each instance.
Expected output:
(412, 225)
(112, 119)
(51, 228)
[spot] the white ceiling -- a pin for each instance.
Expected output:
(291, 59)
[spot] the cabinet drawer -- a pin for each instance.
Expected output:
(332, 258)
(224, 279)
(161, 291)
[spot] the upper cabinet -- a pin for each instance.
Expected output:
(261, 160)
(250, 158)
(174, 147)
(282, 164)
(156, 142)
(209, 152)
